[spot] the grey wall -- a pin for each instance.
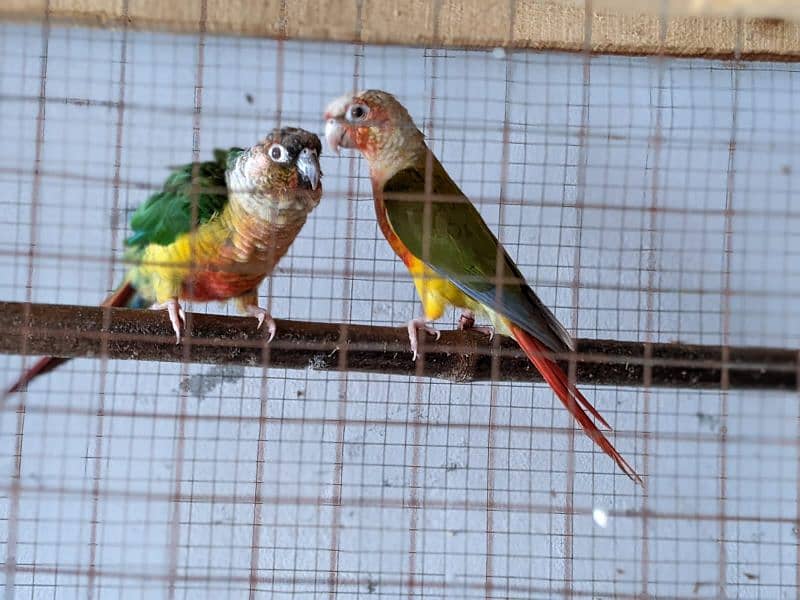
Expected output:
(665, 146)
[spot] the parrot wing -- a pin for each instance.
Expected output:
(168, 213)
(462, 248)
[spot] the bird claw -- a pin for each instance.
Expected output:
(467, 321)
(415, 325)
(262, 315)
(486, 330)
(177, 316)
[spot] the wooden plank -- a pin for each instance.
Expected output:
(694, 28)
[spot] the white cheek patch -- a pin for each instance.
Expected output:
(256, 165)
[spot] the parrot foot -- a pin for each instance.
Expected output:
(176, 315)
(467, 321)
(262, 315)
(415, 325)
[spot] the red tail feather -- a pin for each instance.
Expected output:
(575, 402)
(40, 367)
(120, 297)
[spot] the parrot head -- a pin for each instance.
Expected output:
(374, 123)
(285, 163)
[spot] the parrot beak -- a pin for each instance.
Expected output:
(336, 135)
(336, 131)
(308, 166)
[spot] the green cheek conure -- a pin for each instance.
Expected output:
(247, 207)
(450, 252)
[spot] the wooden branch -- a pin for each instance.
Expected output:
(77, 331)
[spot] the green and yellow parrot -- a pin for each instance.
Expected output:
(452, 255)
(248, 206)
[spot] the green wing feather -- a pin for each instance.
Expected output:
(168, 214)
(463, 249)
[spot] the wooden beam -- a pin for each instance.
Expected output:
(766, 30)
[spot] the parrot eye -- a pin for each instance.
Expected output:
(357, 112)
(278, 153)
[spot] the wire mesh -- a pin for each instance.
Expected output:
(647, 199)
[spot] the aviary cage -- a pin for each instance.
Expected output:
(640, 164)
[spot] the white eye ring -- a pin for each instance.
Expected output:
(278, 153)
(357, 112)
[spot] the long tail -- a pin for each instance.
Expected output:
(575, 402)
(121, 297)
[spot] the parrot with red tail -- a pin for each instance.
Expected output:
(452, 255)
(215, 230)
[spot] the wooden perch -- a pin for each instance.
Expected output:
(77, 331)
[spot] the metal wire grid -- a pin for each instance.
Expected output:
(648, 199)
